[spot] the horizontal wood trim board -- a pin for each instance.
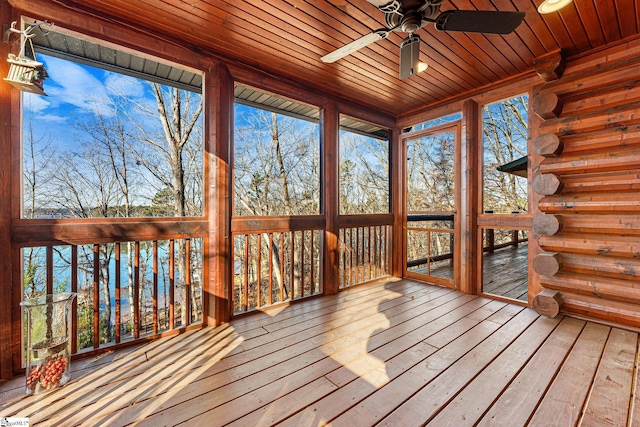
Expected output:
(88, 232)
(348, 221)
(515, 222)
(250, 225)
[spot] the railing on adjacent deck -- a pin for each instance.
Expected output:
(275, 260)
(364, 252)
(128, 290)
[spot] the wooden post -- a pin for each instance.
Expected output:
(9, 308)
(397, 252)
(218, 127)
(330, 200)
(467, 217)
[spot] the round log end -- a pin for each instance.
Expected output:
(547, 264)
(548, 303)
(547, 184)
(547, 105)
(547, 225)
(548, 145)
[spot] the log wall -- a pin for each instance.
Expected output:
(589, 180)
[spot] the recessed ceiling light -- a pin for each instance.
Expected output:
(550, 6)
(422, 66)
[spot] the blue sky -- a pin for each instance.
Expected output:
(75, 92)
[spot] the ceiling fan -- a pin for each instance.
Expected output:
(409, 16)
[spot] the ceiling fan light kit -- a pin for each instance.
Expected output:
(550, 6)
(410, 16)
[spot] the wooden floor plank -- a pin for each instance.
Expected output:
(608, 403)
(562, 404)
(396, 357)
(470, 404)
(421, 406)
(221, 383)
(396, 351)
(388, 398)
(515, 406)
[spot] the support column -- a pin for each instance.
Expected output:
(8, 282)
(470, 252)
(330, 196)
(398, 207)
(218, 131)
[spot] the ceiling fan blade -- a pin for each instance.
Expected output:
(479, 21)
(349, 48)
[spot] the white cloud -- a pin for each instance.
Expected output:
(120, 84)
(35, 103)
(69, 83)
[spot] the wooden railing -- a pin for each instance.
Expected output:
(275, 260)
(364, 250)
(425, 237)
(128, 289)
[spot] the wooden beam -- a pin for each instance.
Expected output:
(331, 195)
(551, 66)
(7, 341)
(218, 131)
(468, 209)
(397, 151)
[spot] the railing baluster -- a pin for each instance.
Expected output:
(74, 288)
(96, 296)
(292, 284)
(259, 273)
(245, 290)
(172, 285)
(270, 299)
(281, 267)
(351, 270)
(302, 264)
(312, 285)
(369, 251)
(118, 293)
(187, 281)
(155, 287)
(49, 269)
(136, 291)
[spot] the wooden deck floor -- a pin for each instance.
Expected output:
(395, 353)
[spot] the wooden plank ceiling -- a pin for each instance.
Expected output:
(288, 37)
